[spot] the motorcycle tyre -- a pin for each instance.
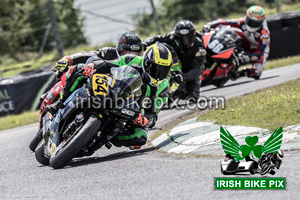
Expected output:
(39, 154)
(77, 143)
(36, 140)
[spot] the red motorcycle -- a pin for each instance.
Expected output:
(51, 97)
(223, 45)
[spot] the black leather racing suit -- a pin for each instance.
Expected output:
(105, 53)
(191, 59)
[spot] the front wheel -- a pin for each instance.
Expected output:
(39, 154)
(72, 148)
(36, 140)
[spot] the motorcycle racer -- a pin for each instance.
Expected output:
(191, 52)
(255, 35)
(154, 68)
(128, 43)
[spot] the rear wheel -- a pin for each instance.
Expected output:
(39, 154)
(72, 148)
(36, 140)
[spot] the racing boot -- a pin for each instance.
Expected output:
(253, 73)
(53, 108)
(237, 74)
(134, 147)
(128, 139)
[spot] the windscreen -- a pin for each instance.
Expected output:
(126, 82)
(227, 37)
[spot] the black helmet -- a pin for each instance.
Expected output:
(157, 62)
(185, 33)
(130, 42)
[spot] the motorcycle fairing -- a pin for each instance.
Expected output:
(224, 55)
(206, 39)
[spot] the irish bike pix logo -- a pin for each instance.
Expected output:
(250, 157)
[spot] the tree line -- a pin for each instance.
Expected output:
(23, 24)
(171, 11)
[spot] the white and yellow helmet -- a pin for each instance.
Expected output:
(157, 62)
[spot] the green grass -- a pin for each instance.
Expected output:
(269, 108)
(12, 121)
(271, 64)
(276, 63)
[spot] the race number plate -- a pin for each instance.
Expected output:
(100, 84)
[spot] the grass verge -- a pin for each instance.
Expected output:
(271, 64)
(268, 108)
(12, 121)
(276, 63)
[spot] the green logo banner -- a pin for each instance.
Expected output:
(237, 183)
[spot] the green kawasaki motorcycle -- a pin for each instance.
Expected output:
(91, 117)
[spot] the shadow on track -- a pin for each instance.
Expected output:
(269, 77)
(77, 162)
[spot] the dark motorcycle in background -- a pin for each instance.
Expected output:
(88, 122)
(223, 45)
(51, 97)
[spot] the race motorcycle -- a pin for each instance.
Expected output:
(269, 162)
(87, 122)
(223, 45)
(51, 97)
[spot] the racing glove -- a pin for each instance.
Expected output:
(141, 120)
(206, 28)
(63, 63)
(86, 71)
(243, 58)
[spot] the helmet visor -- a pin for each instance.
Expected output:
(253, 23)
(158, 72)
(187, 40)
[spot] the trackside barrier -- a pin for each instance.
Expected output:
(284, 33)
(19, 93)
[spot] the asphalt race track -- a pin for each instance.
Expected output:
(119, 173)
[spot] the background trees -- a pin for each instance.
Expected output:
(171, 11)
(24, 22)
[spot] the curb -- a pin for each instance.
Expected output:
(203, 138)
